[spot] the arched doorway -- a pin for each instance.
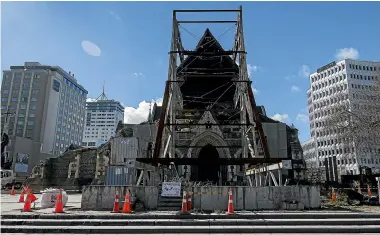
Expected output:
(208, 166)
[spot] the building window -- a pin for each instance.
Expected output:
(28, 75)
(34, 91)
(32, 115)
(32, 107)
(56, 85)
(33, 99)
(5, 91)
(30, 123)
(4, 99)
(36, 84)
(18, 75)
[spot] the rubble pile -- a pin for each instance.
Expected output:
(72, 170)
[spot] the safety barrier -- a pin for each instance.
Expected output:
(210, 198)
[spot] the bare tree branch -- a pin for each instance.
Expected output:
(356, 123)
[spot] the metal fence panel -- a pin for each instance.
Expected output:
(122, 149)
(120, 175)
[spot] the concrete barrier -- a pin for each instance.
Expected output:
(212, 198)
(102, 197)
(257, 198)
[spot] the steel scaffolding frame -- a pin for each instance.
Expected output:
(243, 100)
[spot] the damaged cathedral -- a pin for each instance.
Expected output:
(208, 128)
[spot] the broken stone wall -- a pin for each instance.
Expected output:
(65, 171)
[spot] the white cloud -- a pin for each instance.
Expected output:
(347, 53)
(140, 114)
(115, 15)
(304, 71)
(251, 68)
(255, 91)
(138, 75)
(295, 88)
(91, 48)
(281, 117)
(302, 117)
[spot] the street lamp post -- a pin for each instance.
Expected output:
(4, 132)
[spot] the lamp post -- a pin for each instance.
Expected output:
(4, 134)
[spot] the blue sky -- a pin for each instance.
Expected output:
(284, 41)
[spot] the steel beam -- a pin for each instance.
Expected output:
(207, 53)
(161, 122)
(221, 161)
(208, 10)
(206, 21)
(204, 124)
(201, 146)
(218, 70)
(232, 81)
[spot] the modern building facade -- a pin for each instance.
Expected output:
(309, 153)
(46, 105)
(333, 84)
(102, 117)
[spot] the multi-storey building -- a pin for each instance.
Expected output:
(331, 85)
(309, 153)
(47, 107)
(102, 117)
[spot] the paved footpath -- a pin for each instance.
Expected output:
(75, 221)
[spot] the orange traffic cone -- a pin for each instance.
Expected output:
(31, 196)
(184, 209)
(333, 195)
(22, 197)
(230, 210)
(116, 205)
(58, 204)
(369, 190)
(189, 203)
(28, 203)
(127, 204)
(13, 190)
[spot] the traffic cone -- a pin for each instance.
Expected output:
(230, 210)
(28, 203)
(116, 205)
(333, 195)
(184, 209)
(189, 203)
(58, 204)
(31, 196)
(22, 197)
(127, 204)
(13, 190)
(369, 191)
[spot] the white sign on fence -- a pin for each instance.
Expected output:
(171, 189)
